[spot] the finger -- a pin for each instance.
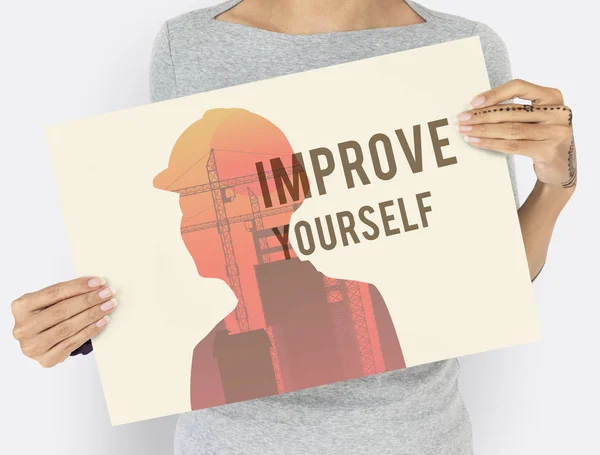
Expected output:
(504, 113)
(514, 130)
(70, 327)
(509, 146)
(58, 353)
(518, 88)
(68, 308)
(58, 292)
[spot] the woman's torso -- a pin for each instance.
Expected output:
(412, 411)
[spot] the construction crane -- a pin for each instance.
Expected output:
(218, 189)
(220, 198)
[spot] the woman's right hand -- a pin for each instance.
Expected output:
(55, 321)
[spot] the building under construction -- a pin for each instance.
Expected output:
(245, 365)
(294, 302)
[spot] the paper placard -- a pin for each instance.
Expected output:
(294, 232)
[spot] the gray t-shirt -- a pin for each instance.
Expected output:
(415, 411)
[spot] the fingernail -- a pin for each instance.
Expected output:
(102, 322)
(107, 306)
(465, 128)
(478, 101)
(464, 117)
(472, 140)
(96, 282)
(106, 292)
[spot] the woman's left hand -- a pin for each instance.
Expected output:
(542, 131)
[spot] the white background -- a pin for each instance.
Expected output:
(66, 59)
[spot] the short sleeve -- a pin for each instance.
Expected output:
(496, 55)
(163, 85)
(499, 71)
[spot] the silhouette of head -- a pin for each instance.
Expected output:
(207, 166)
(234, 236)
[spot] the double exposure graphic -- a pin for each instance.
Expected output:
(293, 327)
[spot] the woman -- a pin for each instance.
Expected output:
(412, 411)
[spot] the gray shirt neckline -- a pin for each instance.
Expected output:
(249, 32)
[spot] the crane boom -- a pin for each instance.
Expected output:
(229, 183)
(236, 219)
